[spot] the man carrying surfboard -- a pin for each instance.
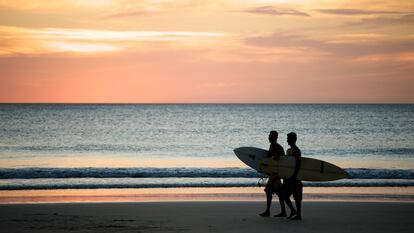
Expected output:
(273, 184)
(292, 168)
(292, 185)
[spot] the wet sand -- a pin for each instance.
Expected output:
(350, 194)
(201, 216)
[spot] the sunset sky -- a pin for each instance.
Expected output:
(224, 51)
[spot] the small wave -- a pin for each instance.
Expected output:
(110, 183)
(403, 151)
(152, 172)
(29, 173)
(367, 173)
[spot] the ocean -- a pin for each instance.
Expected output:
(106, 146)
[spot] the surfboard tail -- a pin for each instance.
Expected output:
(345, 174)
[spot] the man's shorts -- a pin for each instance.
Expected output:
(273, 185)
(293, 187)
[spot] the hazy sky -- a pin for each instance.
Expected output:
(207, 51)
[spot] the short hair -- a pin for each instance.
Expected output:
(273, 132)
(292, 135)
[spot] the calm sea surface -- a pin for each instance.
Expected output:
(132, 146)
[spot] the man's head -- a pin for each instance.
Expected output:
(273, 136)
(291, 138)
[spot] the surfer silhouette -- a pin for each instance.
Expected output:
(274, 184)
(292, 185)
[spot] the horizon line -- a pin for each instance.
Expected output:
(207, 103)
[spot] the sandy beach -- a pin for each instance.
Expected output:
(204, 217)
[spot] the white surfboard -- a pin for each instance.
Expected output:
(310, 169)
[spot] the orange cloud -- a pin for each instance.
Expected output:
(49, 40)
(406, 57)
(210, 46)
(53, 5)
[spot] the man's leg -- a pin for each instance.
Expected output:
(268, 203)
(292, 209)
(297, 195)
(298, 207)
(287, 191)
(282, 206)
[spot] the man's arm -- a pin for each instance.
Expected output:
(270, 152)
(298, 158)
(273, 152)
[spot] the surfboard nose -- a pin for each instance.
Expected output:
(239, 150)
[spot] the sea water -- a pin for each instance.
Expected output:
(88, 146)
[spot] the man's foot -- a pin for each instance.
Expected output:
(293, 213)
(297, 217)
(283, 214)
(265, 214)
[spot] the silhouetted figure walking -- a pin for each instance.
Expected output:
(292, 185)
(274, 184)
